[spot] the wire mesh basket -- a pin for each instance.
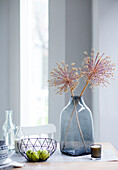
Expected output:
(36, 144)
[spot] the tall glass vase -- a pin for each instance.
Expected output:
(8, 131)
(76, 128)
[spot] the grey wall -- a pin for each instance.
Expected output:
(14, 58)
(70, 35)
(9, 59)
(108, 43)
(56, 54)
(95, 46)
(78, 38)
(73, 26)
(4, 65)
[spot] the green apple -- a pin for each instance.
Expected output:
(39, 152)
(32, 156)
(35, 156)
(43, 155)
(28, 153)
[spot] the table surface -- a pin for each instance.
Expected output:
(95, 165)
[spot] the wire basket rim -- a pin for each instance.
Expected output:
(51, 150)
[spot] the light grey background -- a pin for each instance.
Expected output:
(108, 43)
(9, 59)
(75, 26)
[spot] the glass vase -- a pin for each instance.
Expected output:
(18, 136)
(8, 131)
(76, 128)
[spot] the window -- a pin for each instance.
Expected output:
(34, 62)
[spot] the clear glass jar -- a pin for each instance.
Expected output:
(19, 135)
(76, 128)
(8, 130)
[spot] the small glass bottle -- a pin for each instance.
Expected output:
(8, 130)
(19, 135)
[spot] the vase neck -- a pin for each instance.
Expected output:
(78, 99)
(8, 120)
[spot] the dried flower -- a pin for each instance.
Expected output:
(97, 70)
(64, 78)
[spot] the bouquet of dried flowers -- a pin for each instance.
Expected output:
(96, 70)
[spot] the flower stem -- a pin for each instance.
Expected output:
(78, 123)
(84, 88)
(68, 122)
(68, 128)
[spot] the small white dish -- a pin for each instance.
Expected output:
(3, 156)
(2, 142)
(5, 161)
(3, 147)
(3, 150)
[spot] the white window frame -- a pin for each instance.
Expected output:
(54, 43)
(25, 44)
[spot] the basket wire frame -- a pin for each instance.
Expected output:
(36, 144)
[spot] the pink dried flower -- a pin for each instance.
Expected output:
(97, 70)
(64, 78)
